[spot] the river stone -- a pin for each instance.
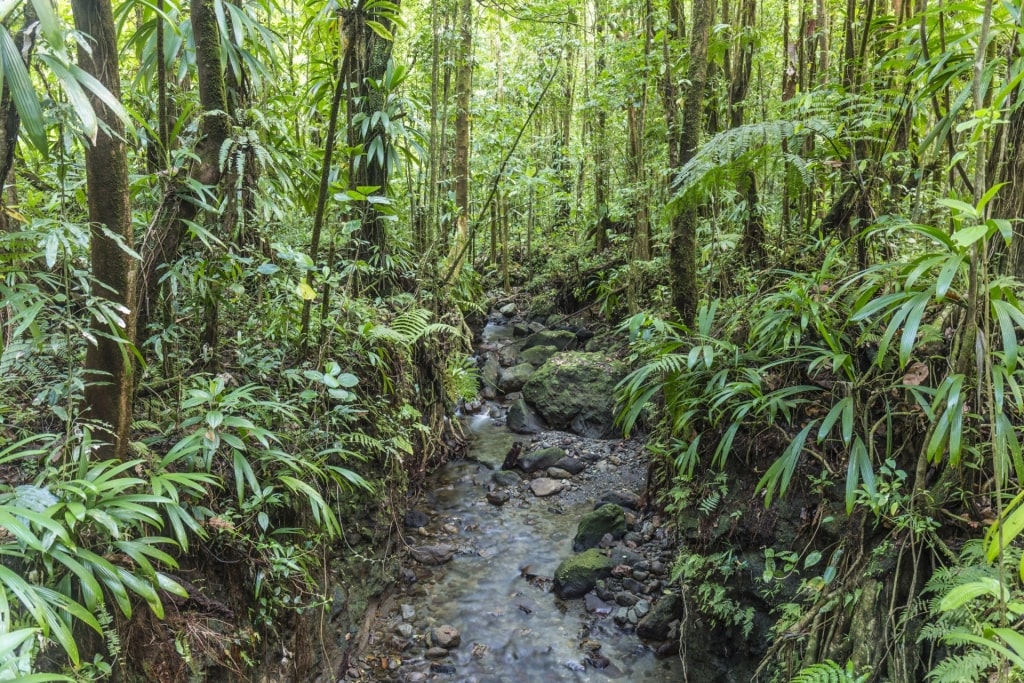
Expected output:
(497, 498)
(445, 636)
(521, 330)
(435, 653)
(556, 473)
(607, 519)
(544, 487)
(432, 555)
(522, 419)
(576, 575)
(507, 355)
(560, 339)
(537, 355)
(506, 478)
(577, 391)
(571, 465)
(623, 498)
(513, 378)
(489, 376)
(540, 459)
(408, 612)
(657, 624)
(414, 519)
(508, 310)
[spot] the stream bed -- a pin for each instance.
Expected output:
(495, 591)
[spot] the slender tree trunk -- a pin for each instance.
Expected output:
(600, 133)
(108, 361)
(683, 245)
(463, 89)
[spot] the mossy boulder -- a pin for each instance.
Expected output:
(560, 339)
(576, 391)
(578, 574)
(607, 519)
(522, 419)
(537, 355)
(513, 378)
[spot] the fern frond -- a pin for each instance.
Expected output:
(829, 672)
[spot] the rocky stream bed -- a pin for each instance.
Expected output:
(545, 570)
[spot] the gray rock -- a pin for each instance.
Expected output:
(508, 310)
(626, 599)
(521, 330)
(571, 465)
(489, 376)
(607, 519)
(642, 608)
(507, 355)
(556, 473)
(560, 339)
(596, 605)
(621, 616)
(432, 555)
(404, 630)
(435, 653)
(498, 498)
(537, 355)
(408, 612)
(513, 378)
(522, 419)
(544, 487)
(577, 391)
(623, 498)
(576, 575)
(445, 636)
(506, 478)
(540, 459)
(414, 519)
(657, 624)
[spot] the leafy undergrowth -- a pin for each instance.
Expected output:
(837, 445)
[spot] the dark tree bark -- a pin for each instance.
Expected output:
(10, 120)
(108, 362)
(683, 244)
(370, 55)
(180, 205)
(460, 166)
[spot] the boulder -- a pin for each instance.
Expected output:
(508, 310)
(505, 478)
(607, 519)
(489, 376)
(513, 378)
(508, 356)
(624, 498)
(521, 330)
(560, 339)
(578, 574)
(571, 465)
(537, 355)
(445, 636)
(658, 623)
(544, 487)
(540, 459)
(522, 419)
(577, 391)
(432, 555)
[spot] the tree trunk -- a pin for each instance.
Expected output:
(10, 120)
(181, 204)
(683, 245)
(463, 88)
(371, 53)
(108, 361)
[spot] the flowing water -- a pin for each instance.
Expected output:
(496, 590)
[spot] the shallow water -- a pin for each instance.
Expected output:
(496, 591)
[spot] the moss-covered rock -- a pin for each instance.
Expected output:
(607, 519)
(522, 419)
(540, 459)
(578, 574)
(576, 391)
(560, 339)
(537, 355)
(513, 378)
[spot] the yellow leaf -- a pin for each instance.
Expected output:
(305, 291)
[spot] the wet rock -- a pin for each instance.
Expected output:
(521, 330)
(540, 459)
(602, 591)
(583, 335)
(506, 478)
(408, 612)
(657, 624)
(577, 391)
(560, 339)
(508, 310)
(415, 519)
(596, 605)
(404, 630)
(571, 465)
(522, 419)
(607, 519)
(556, 473)
(626, 499)
(513, 378)
(435, 652)
(489, 376)
(544, 487)
(537, 355)
(432, 555)
(573, 665)
(445, 636)
(508, 356)
(631, 584)
(578, 574)
(621, 616)
(642, 608)
(498, 498)
(626, 599)
(415, 677)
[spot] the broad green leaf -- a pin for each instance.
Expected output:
(26, 100)
(965, 237)
(959, 207)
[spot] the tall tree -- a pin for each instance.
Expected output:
(683, 244)
(463, 88)
(108, 362)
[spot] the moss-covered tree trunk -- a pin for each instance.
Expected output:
(108, 361)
